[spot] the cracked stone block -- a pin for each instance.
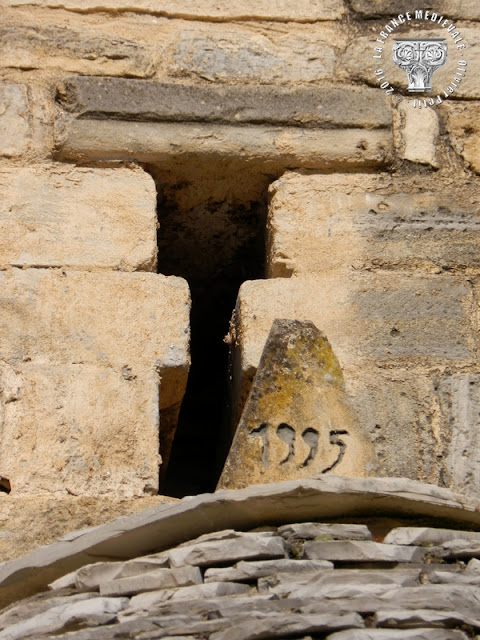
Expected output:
(14, 120)
(62, 216)
(83, 356)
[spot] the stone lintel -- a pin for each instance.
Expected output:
(147, 101)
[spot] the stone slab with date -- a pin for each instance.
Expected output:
(297, 421)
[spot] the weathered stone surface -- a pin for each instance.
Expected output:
(463, 10)
(27, 521)
(93, 575)
(278, 626)
(340, 583)
(459, 396)
(223, 53)
(151, 581)
(92, 612)
(33, 45)
(121, 99)
(419, 135)
(60, 216)
(64, 336)
(423, 617)
(276, 147)
(327, 531)
(401, 634)
(14, 120)
(158, 528)
(361, 551)
(231, 550)
(302, 11)
(297, 421)
(81, 429)
(210, 590)
(453, 577)
(248, 571)
(320, 223)
(464, 131)
(398, 318)
(421, 535)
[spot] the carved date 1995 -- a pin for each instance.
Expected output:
(288, 435)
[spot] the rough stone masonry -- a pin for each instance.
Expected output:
(371, 235)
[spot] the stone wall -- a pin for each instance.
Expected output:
(110, 108)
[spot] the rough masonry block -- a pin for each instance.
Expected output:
(388, 331)
(14, 120)
(58, 216)
(322, 223)
(82, 357)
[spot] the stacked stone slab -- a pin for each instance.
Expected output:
(362, 578)
(84, 344)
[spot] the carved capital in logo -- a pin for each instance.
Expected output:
(419, 59)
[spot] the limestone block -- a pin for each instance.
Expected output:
(276, 147)
(213, 552)
(319, 223)
(459, 396)
(302, 11)
(34, 45)
(223, 54)
(464, 130)
(419, 633)
(279, 625)
(461, 9)
(14, 120)
(361, 551)
(311, 530)
(152, 581)
(81, 358)
(248, 571)
(29, 521)
(363, 316)
(194, 592)
(83, 429)
(419, 134)
(427, 617)
(297, 421)
(125, 99)
(330, 585)
(75, 217)
(369, 317)
(420, 535)
(91, 612)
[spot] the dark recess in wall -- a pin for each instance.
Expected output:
(212, 222)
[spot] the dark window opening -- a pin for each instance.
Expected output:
(212, 226)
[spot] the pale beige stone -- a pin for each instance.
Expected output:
(463, 126)
(27, 521)
(47, 44)
(385, 329)
(58, 215)
(419, 134)
(84, 140)
(305, 10)
(14, 120)
(297, 421)
(81, 429)
(343, 223)
(83, 355)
